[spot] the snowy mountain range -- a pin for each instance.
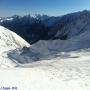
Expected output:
(44, 27)
(58, 60)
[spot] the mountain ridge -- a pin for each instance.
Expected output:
(33, 29)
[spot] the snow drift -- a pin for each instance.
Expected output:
(9, 41)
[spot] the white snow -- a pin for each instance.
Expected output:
(9, 41)
(6, 19)
(9, 19)
(68, 73)
(63, 65)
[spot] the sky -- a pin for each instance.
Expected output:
(49, 7)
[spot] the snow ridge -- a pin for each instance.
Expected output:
(9, 41)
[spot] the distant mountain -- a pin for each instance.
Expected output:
(44, 27)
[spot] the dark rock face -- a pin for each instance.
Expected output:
(33, 29)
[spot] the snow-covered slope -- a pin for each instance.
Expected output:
(49, 49)
(9, 41)
(45, 48)
(48, 65)
(6, 19)
(63, 71)
(62, 65)
(19, 52)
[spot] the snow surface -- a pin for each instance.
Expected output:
(9, 41)
(71, 72)
(58, 65)
(6, 19)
